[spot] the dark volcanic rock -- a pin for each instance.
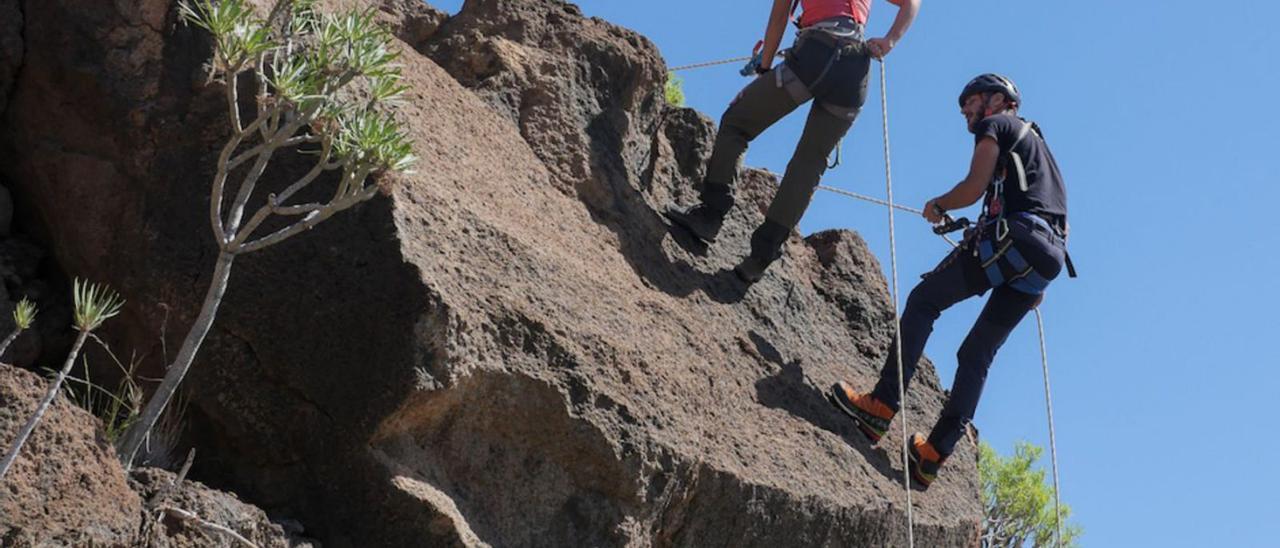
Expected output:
(10, 47)
(412, 21)
(24, 273)
(507, 348)
(68, 489)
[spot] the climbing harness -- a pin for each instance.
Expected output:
(897, 333)
(825, 58)
(995, 248)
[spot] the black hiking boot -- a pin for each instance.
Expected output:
(700, 221)
(751, 269)
(766, 247)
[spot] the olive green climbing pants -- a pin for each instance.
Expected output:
(762, 103)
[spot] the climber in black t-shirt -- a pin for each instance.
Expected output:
(1017, 247)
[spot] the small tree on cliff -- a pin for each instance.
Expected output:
(322, 84)
(94, 304)
(1017, 501)
(23, 315)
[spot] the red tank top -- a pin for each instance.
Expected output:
(817, 10)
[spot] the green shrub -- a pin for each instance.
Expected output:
(674, 90)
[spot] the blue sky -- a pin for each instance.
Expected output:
(1163, 118)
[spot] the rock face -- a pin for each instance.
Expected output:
(413, 20)
(10, 47)
(68, 489)
(23, 273)
(175, 502)
(508, 348)
(56, 492)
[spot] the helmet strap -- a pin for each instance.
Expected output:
(987, 110)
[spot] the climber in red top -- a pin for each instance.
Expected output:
(829, 63)
(818, 10)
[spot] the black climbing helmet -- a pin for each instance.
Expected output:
(990, 82)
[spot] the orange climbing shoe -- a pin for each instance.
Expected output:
(872, 415)
(925, 460)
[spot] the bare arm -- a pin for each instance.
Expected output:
(907, 10)
(773, 33)
(981, 169)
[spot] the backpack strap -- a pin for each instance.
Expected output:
(1019, 167)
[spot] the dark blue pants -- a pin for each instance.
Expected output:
(958, 277)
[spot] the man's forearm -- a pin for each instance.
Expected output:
(906, 15)
(960, 196)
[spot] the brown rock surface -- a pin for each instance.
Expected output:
(508, 348)
(413, 20)
(162, 498)
(66, 487)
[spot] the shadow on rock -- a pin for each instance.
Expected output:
(725, 287)
(687, 241)
(622, 208)
(790, 391)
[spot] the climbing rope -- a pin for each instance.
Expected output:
(1053, 442)
(709, 64)
(897, 331)
(878, 201)
(866, 198)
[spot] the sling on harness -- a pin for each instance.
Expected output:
(994, 248)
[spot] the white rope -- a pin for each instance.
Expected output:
(897, 331)
(709, 64)
(1053, 442)
(866, 198)
(878, 201)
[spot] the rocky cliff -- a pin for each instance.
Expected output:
(507, 347)
(68, 488)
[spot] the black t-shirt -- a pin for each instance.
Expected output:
(1045, 193)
